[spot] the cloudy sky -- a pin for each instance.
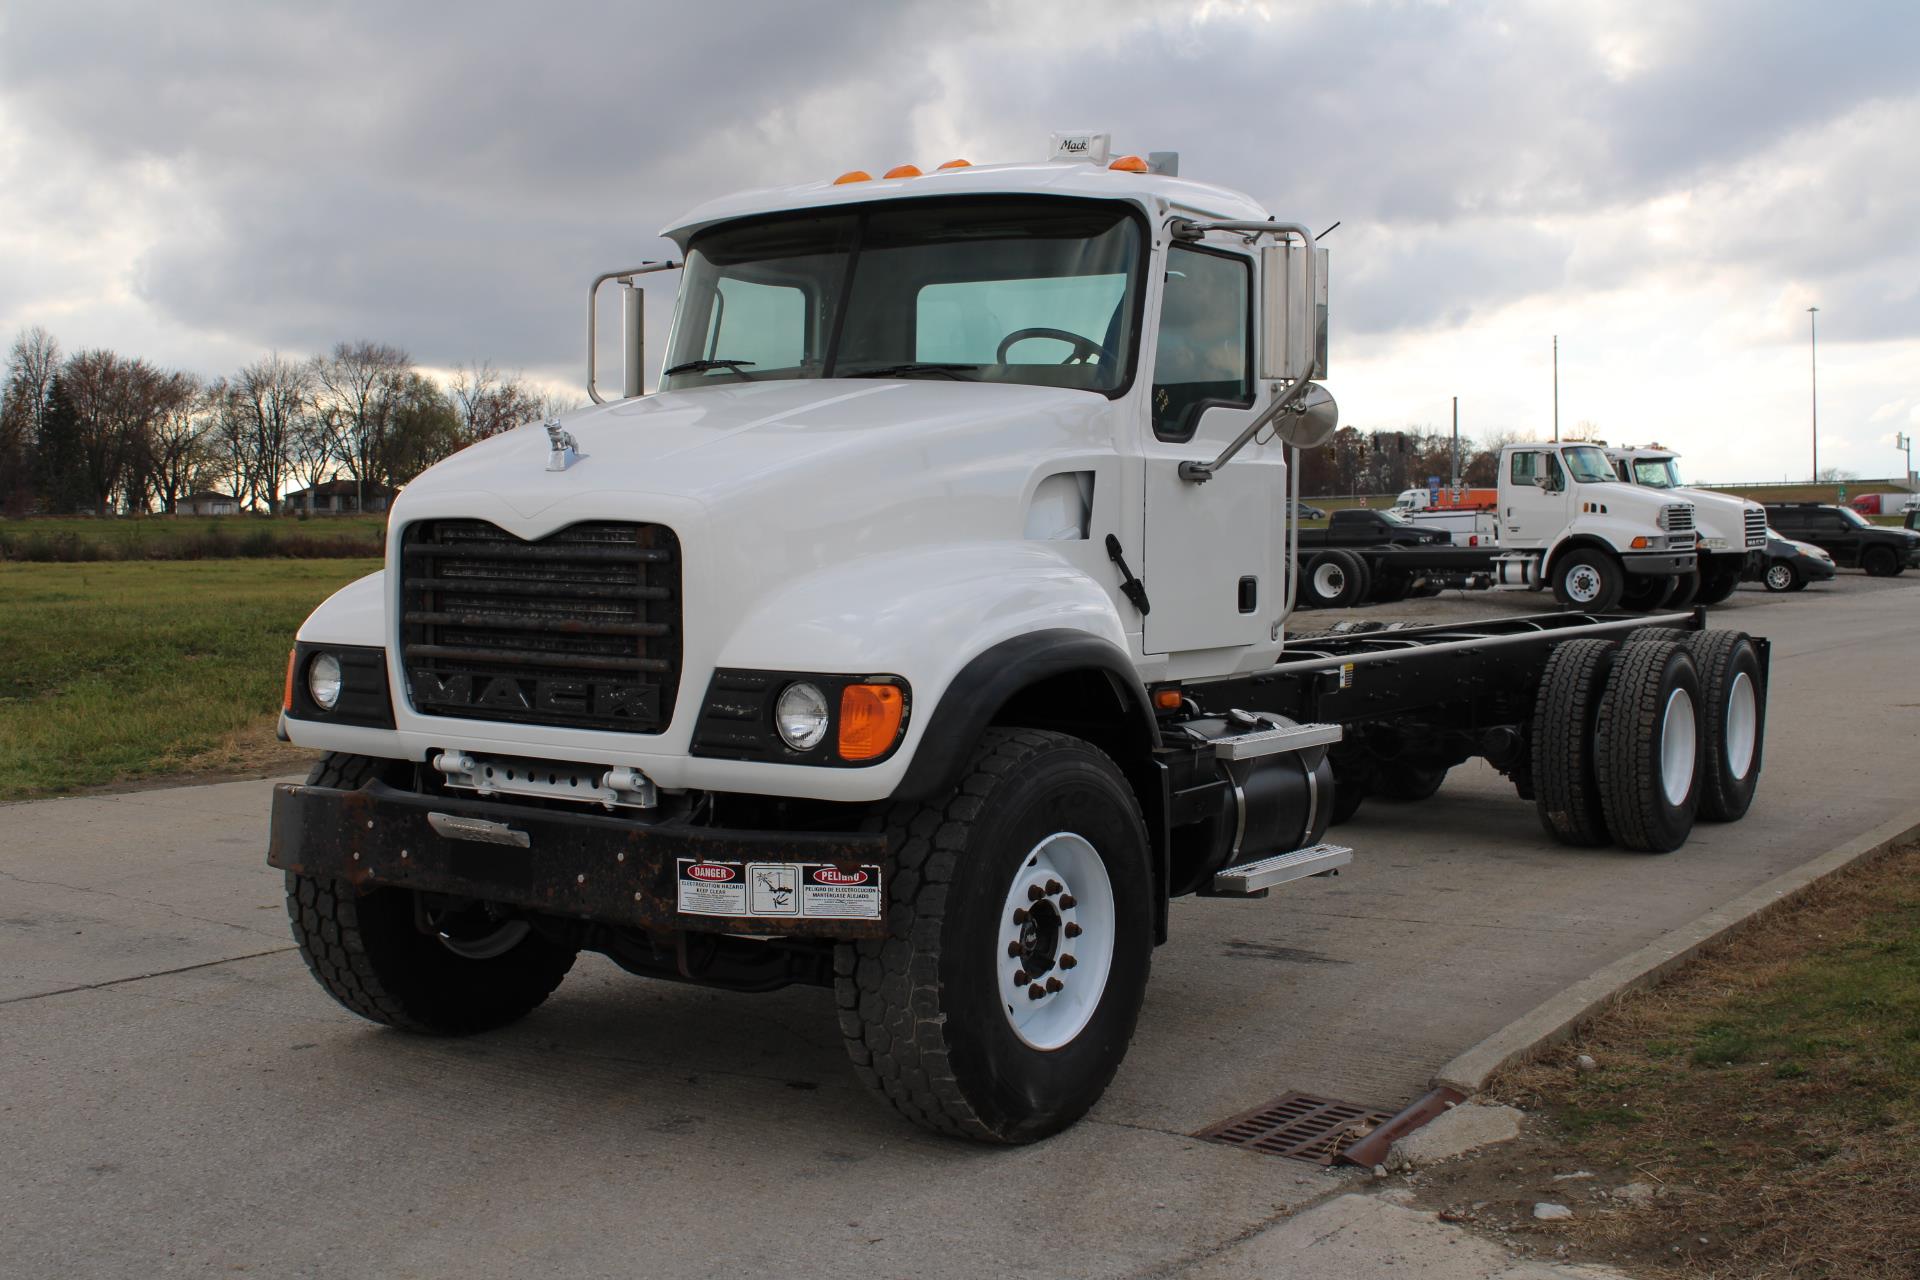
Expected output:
(1667, 186)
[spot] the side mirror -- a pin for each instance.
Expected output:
(1293, 311)
(1544, 483)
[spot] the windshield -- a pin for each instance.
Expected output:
(1854, 517)
(1009, 290)
(1587, 464)
(1657, 473)
(1394, 517)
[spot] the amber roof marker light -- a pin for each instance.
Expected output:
(853, 175)
(902, 171)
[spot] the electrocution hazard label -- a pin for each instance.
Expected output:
(794, 890)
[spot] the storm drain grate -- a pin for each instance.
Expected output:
(1299, 1126)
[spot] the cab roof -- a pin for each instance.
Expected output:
(1156, 193)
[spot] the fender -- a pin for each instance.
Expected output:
(355, 614)
(985, 685)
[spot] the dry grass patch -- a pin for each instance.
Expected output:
(1766, 1100)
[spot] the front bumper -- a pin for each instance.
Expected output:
(583, 866)
(1664, 564)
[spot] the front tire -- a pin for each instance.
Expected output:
(1004, 998)
(1782, 576)
(368, 951)
(1588, 580)
(1719, 581)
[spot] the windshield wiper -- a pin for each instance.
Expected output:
(704, 366)
(920, 366)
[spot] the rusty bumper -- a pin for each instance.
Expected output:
(584, 866)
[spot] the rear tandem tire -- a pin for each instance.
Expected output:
(1566, 788)
(368, 953)
(1733, 722)
(931, 1015)
(1647, 747)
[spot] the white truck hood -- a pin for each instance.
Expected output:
(709, 444)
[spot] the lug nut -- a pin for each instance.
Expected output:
(1067, 903)
(1035, 991)
(1067, 962)
(1019, 977)
(1054, 886)
(1054, 984)
(1019, 915)
(1013, 949)
(1035, 893)
(1072, 930)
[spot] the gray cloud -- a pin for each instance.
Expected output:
(448, 179)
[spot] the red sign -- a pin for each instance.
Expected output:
(707, 871)
(827, 875)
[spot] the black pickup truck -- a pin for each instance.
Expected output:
(1849, 537)
(1361, 527)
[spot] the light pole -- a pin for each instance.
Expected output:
(1813, 382)
(1556, 388)
(1904, 443)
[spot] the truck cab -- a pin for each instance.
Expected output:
(1733, 530)
(1566, 523)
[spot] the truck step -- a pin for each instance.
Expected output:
(1251, 879)
(1272, 741)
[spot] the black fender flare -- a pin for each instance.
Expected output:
(976, 694)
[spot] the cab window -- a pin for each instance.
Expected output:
(1205, 353)
(1527, 467)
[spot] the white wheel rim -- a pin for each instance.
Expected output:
(1583, 584)
(1678, 746)
(1328, 579)
(1743, 725)
(1779, 576)
(1056, 939)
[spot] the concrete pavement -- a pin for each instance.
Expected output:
(178, 1097)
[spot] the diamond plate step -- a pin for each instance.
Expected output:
(1252, 877)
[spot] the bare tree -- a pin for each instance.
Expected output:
(32, 363)
(113, 400)
(359, 385)
(272, 395)
(490, 402)
(229, 442)
(177, 438)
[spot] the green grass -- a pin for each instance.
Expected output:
(115, 671)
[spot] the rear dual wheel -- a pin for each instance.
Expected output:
(1647, 746)
(1334, 579)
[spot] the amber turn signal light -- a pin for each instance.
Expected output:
(286, 697)
(1166, 699)
(869, 720)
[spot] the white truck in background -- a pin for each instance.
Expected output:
(1733, 530)
(925, 635)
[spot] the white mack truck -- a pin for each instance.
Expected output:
(922, 637)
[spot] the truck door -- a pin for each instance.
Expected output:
(1212, 550)
(1532, 513)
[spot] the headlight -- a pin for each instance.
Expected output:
(1713, 544)
(801, 716)
(323, 680)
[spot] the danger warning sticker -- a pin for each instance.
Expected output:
(802, 890)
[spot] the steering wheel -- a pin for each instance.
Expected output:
(1082, 347)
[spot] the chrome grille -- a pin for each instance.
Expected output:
(1756, 528)
(579, 629)
(1677, 518)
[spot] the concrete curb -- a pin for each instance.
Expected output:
(1560, 1016)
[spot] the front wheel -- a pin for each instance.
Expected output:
(1588, 580)
(1781, 577)
(442, 968)
(1004, 998)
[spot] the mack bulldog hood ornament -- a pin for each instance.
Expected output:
(562, 448)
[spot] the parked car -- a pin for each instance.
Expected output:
(1792, 565)
(1305, 511)
(1849, 537)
